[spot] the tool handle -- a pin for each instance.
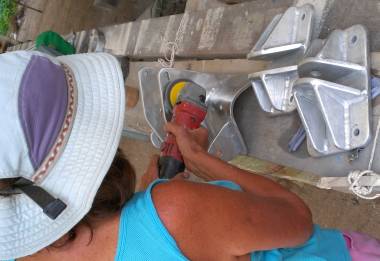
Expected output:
(190, 116)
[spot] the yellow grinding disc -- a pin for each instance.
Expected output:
(175, 91)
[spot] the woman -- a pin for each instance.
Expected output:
(65, 207)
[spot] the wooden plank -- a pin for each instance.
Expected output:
(229, 31)
(202, 5)
(225, 32)
(32, 21)
(267, 168)
(23, 46)
(106, 4)
(345, 13)
(221, 31)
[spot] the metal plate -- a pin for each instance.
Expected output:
(152, 104)
(222, 90)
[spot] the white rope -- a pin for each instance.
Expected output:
(169, 58)
(365, 192)
(171, 48)
(354, 178)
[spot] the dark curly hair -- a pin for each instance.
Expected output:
(117, 188)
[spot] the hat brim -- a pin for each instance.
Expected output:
(80, 169)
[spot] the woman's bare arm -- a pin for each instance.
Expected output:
(207, 220)
(259, 186)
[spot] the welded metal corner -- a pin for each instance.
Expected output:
(333, 93)
(274, 89)
(284, 42)
(286, 34)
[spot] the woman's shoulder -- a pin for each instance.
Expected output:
(167, 205)
(167, 188)
(145, 206)
(167, 196)
(141, 229)
(182, 190)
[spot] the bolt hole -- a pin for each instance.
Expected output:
(291, 98)
(356, 132)
(303, 17)
(316, 74)
(354, 39)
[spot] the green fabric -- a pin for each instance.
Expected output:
(55, 41)
(7, 10)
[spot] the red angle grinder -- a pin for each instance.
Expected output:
(187, 101)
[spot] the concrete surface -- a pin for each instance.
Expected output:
(334, 209)
(330, 208)
(208, 29)
(139, 154)
(76, 15)
(345, 13)
(227, 31)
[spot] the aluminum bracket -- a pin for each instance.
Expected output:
(286, 34)
(274, 89)
(333, 93)
(222, 91)
(284, 42)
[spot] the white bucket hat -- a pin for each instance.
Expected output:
(60, 124)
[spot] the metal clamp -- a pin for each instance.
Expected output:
(333, 93)
(284, 42)
(222, 90)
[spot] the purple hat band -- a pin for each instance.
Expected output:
(43, 102)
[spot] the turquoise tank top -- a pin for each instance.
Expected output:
(143, 237)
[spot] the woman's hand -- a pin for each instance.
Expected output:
(191, 143)
(151, 174)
